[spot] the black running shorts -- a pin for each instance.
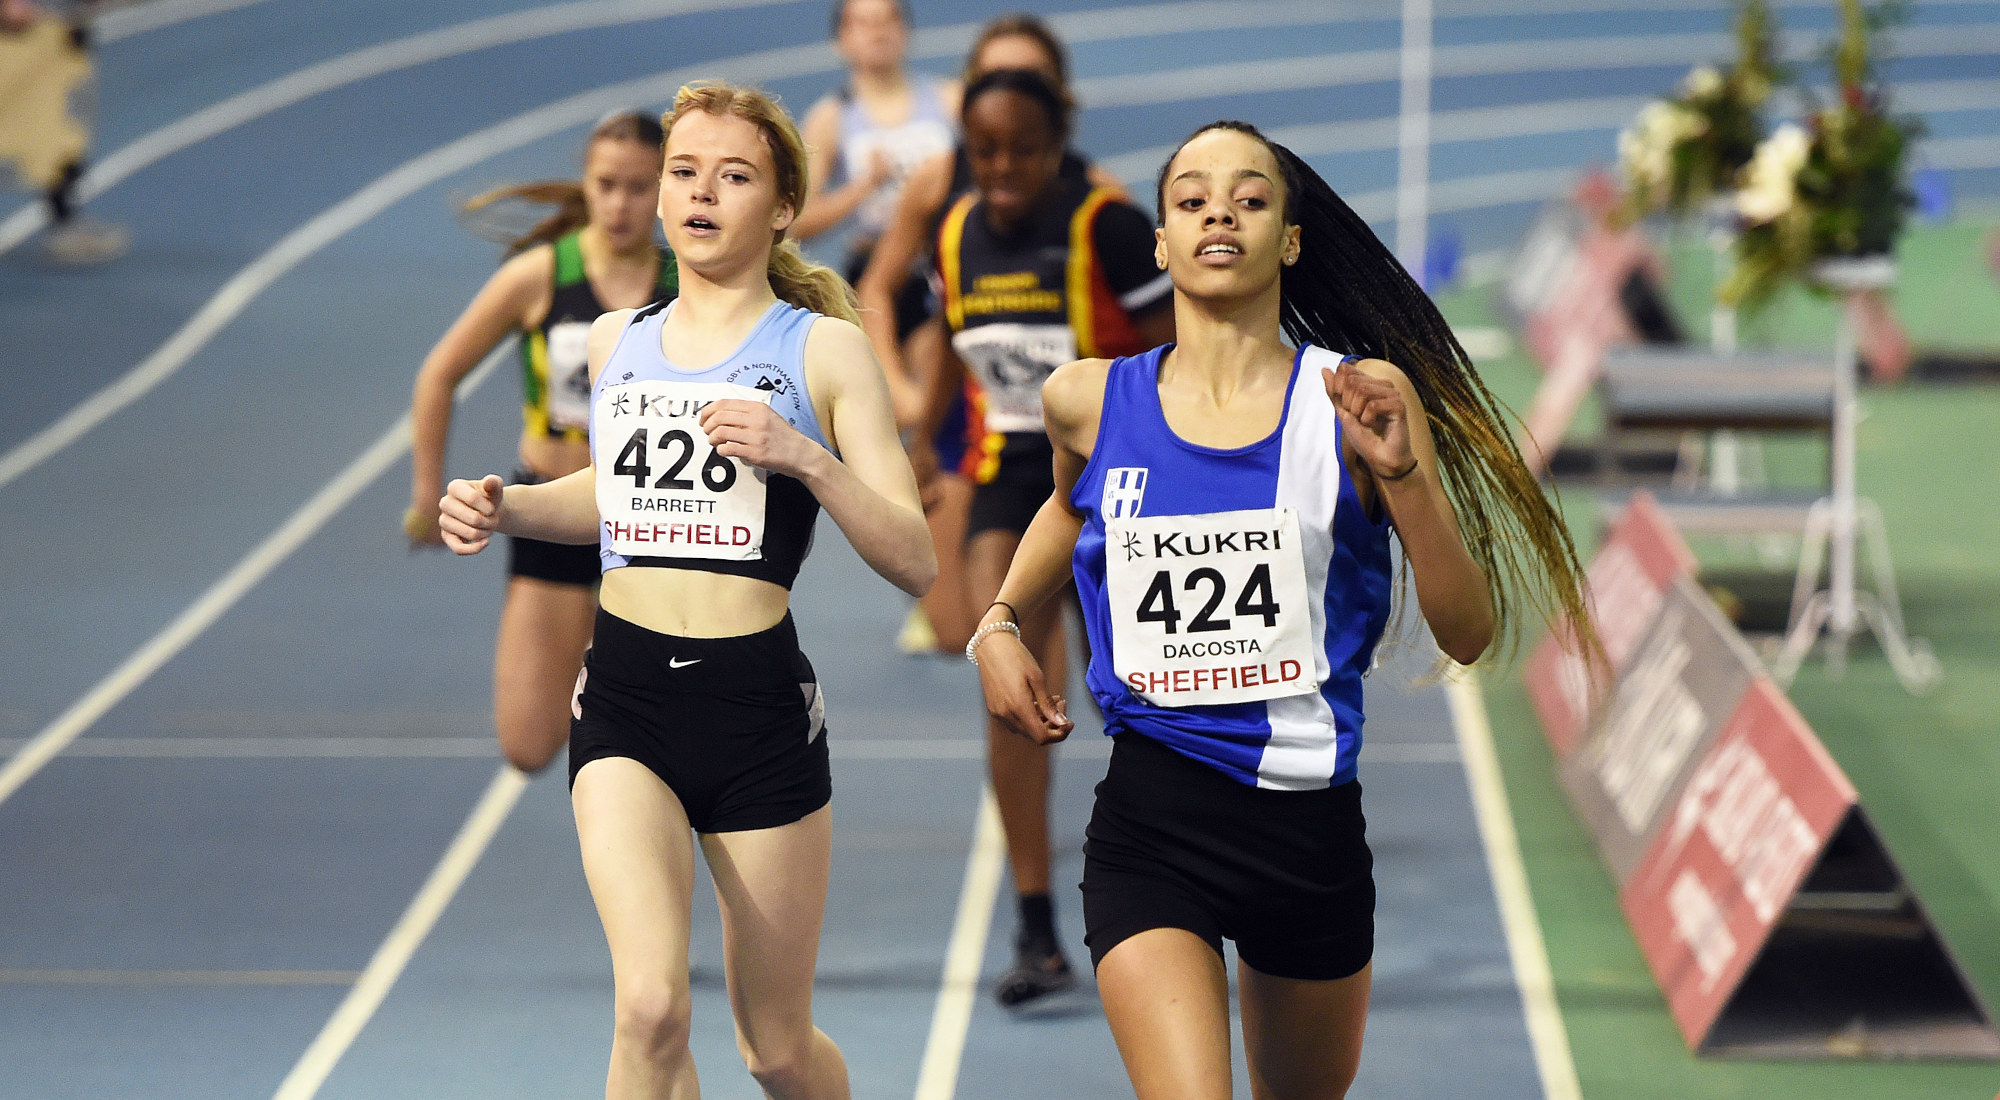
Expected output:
(735, 727)
(1173, 843)
(1020, 484)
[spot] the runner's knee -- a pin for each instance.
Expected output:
(782, 1067)
(654, 1017)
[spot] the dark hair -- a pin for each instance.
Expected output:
(1021, 25)
(840, 12)
(1348, 292)
(1054, 102)
(566, 196)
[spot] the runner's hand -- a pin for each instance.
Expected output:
(1015, 693)
(420, 526)
(469, 513)
(755, 433)
(1374, 417)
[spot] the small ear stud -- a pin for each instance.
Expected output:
(1160, 262)
(1291, 259)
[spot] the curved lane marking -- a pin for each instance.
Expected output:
(140, 18)
(1079, 26)
(350, 68)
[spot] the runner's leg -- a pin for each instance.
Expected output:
(1166, 995)
(638, 855)
(771, 884)
(544, 629)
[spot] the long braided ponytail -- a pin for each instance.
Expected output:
(1348, 292)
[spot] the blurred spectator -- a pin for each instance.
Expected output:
(44, 62)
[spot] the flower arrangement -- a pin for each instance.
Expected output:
(1833, 187)
(1682, 150)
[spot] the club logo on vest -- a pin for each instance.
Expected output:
(1124, 491)
(769, 378)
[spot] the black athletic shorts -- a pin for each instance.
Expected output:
(1173, 843)
(1018, 487)
(735, 727)
(557, 562)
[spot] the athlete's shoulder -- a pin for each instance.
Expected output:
(839, 343)
(608, 325)
(1074, 393)
(532, 267)
(821, 126)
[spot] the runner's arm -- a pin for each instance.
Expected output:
(1072, 400)
(902, 243)
(1385, 426)
(869, 490)
(825, 209)
(501, 306)
(563, 510)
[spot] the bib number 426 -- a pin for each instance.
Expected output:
(674, 448)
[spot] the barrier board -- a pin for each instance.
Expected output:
(1628, 579)
(1771, 914)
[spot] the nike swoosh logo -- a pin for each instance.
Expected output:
(676, 662)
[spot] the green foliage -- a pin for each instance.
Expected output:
(1837, 188)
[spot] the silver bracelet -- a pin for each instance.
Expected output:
(985, 632)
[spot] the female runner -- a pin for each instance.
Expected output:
(881, 124)
(1036, 267)
(594, 254)
(720, 424)
(1227, 502)
(910, 340)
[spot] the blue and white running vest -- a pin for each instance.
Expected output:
(664, 496)
(1233, 598)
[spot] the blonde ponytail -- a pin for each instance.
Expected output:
(811, 286)
(794, 278)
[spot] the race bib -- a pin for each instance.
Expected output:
(662, 491)
(1012, 361)
(1210, 609)
(569, 376)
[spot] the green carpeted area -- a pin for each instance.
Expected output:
(1927, 768)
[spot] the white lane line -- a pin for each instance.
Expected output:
(380, 975)
(350, 68)
(336, 221)
(1531, 55)
(178, 977)
(1523, 928)
(152, 16)
(347, 747)
(937, 1078)
(198, 616)
(264, 748)
(1413, 138)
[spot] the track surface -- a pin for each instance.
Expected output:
(194, 884)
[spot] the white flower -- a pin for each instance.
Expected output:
(1701, 82)
(1646, 148)
(1771, 180)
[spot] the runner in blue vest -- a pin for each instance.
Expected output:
(1224, 504)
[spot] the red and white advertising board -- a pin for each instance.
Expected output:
(1771, 914)
(1748, 827)
(1628, 579)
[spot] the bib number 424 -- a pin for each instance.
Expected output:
(1211, 608)
(1254, 599)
